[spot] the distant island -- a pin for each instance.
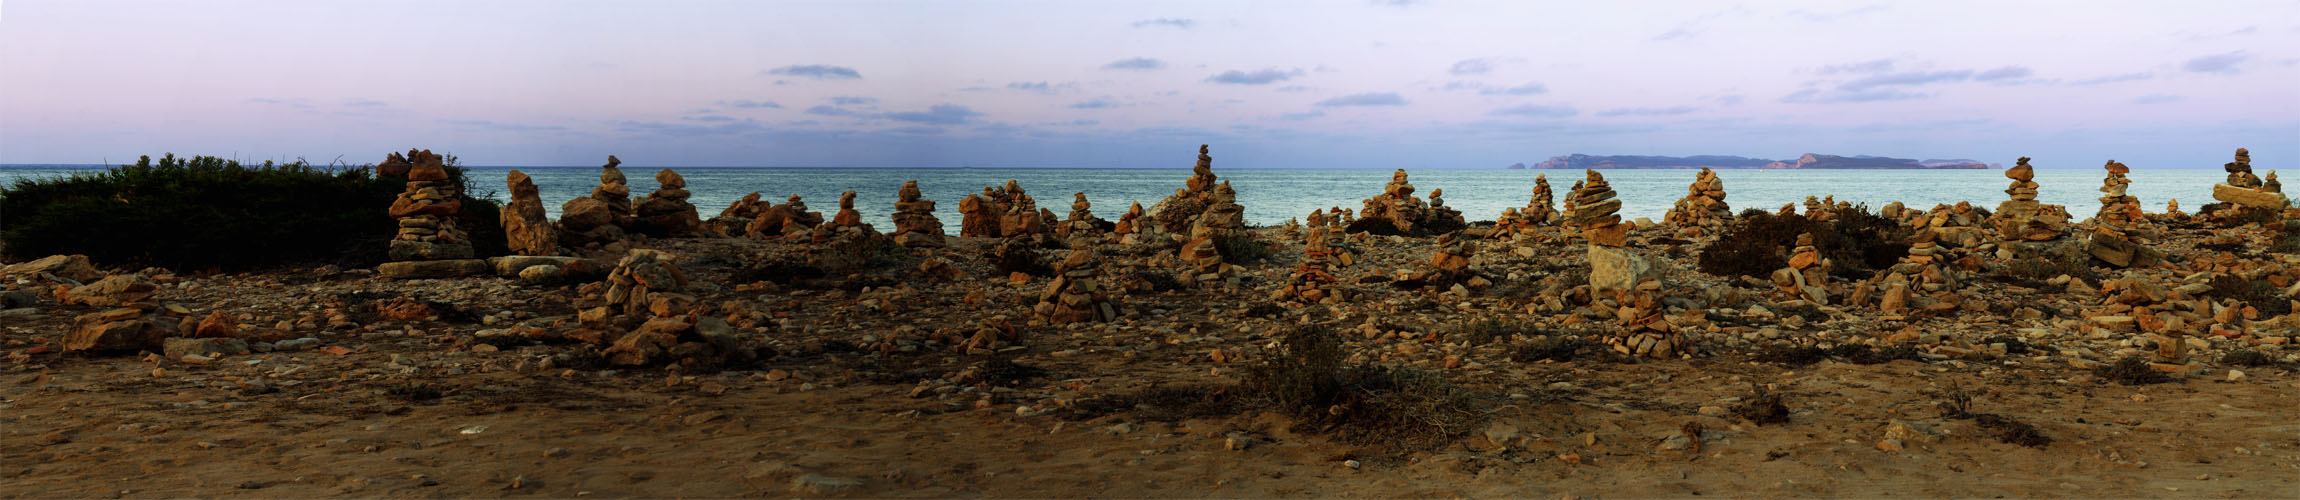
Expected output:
(1810, 161)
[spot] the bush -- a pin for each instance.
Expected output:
(207, 212)
(2260, 294)
(1364, 403)
(1859, 243)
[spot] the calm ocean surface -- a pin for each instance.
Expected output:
(1273, 195)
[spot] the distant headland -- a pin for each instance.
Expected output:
(1810, 161)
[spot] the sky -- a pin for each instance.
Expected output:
(1270, 84)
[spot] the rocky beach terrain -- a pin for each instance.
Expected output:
(1809, 161)
(1397, 347)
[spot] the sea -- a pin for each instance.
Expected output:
(1274, 195)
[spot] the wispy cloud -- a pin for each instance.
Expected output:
(2216, 63)
(1366, 99)
(1166, 22)
(1471, 67)
(817, 71)
(1527, 89)
(2155, 99)
(1699, 24)
(1040, 87)
(364, 103)
(939, 114)
(2127, 77)
(688, 130)
(1907, 78)
(1136, 63)
(824, 110)
(1256, 77)
(1104, 102)
(848, 100)
(1832, 16)
(1536, 111)
(708, 118)
(1815, 96)
(1669, 111)
(750, 104)
(506, 127)
(2004, 73)
(1302, 115)
(1876, 66)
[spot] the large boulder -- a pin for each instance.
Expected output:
(71, 267)
(2250, 197)
(1613, 269)
(115, 330)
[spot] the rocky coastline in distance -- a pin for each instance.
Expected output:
(1810, 161)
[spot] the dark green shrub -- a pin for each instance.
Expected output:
(2260, 294)
(1859, 243)
(1364, 403)
(207, 212)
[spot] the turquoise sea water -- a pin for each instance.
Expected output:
(1273, 195)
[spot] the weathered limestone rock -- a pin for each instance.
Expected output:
(666, 211)
(788, 219)
(631, 288)
(1022, 218)
(914, 222)
(119, 290)
(426, 213)
(432, 269)
(1076, 294)
(2244, 189)
(1914, 282)
(120, 329)
(1614, 269)
(1703, 210)
(1128, 223)
(525, 227)
(71, 267)
(1596, 213)
(734, 219)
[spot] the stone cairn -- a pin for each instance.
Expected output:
(600, 217)
(2117, 230)
(1807, 276)
(1223, 222)
(1918, 274)
(666, 211)
(736, 217)
(1128, 224)
(1397, 211)
(788, 219)
(1510, 224)
(604, 309)
(1076, 294)
(1596, 213)
(1176, 214)
(1439, 212)
(914, 222)
(1645, 333)
(845, 242)
(1539, 211)
(131, 318)
(2022, 218)
(1703, 210)
(429, 245)
(1082, 226)
(1022, 218)
(525, 227)
(1450, 263)
(980, 212)
(1313, 281)
(2246, 190)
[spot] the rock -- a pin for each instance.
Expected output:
(122, 329)
(113, 291)
(2249, 197)
(178, 347)
(217, 325)
(1614, 269)
(914, 223)
(823, 485)
(525, 226)
(666, 211)
(71, 267)
(1501, 434)
(433, 269)
(512, 265)
(427, 211)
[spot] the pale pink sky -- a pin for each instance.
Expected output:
(1427, 84)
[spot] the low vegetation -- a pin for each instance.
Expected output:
(1859, 243)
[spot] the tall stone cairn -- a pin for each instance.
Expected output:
(2117, 228)
(1398, 211)
(914, 222)
(1175, 214)
(1021, 218)
(1082, 226)
(2246, 190)
(426, 213)
(2022, 218)
(666, 211)
(2118, 208)
(1077, 293)
(1595, 213)
(1703, 210)
(1222, 221)
(1644, 331)
(525, 228)
(1540, 211)
(602, 216)
(1807, 276)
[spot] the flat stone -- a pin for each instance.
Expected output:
(2250, 197)
(422, 269)
(510, 265)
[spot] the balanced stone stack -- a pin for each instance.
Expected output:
(979, 214)
(666, 211)
(602, 216)
(1022, 218)
(1076, 294)
(1807, 276)
(130, 319)
(429, 245)
(2248, 191)
(1596, 214)
(1176, 214)
(1313, 281)
(2118, 229)
(525, 227)
(914, 222)
(845, 243)
(1222, 223)
(1509, 224)
(2022, 218)
(1540, 211)
(788, 219)
(1907, 284)
(1703, 210)
(736, 217)
(1129, 224)
(1397, 212)
(1082, 227)
(642, 279)
(1440, 215)
(1450, 263)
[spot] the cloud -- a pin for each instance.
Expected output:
(1536, 111)
(688, 130)
(939, 114)
(750, 104)
(506, 127)
(2004, 73)
(2247, 30)
(290, 103)
(2216, 63)
(1832, 16)
(1292, 88)
(2127, 77)
(818, 72)
(1039, 87)
(1301, 116)
(1256, 77)
(832, 111)
(364, 103)
(1908, 78)
(921, 130)
(1471, 67)
(1399, 3)
(1877, 66)
(848, 100)
(2155, 99)
(1366, 99)
(1103, 102)
(1165, 22)
(1136, 63)
(1729, 99)
(1527, 89)
(1669, 111)
(708, 118)
(1814, 96)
